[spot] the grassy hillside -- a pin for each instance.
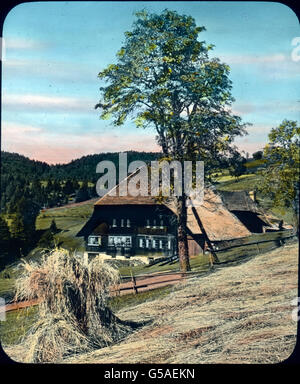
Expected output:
(69, 220)
(250, 182)
(238, 314)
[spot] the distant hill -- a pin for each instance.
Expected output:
(54, 185)
(84, 168)
(14, 164)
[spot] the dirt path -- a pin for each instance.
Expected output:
(142, 284)
(71, 205)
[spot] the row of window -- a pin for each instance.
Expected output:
(154, 224)
(126, 241)
(149, 223)
(122, 223)
(119, 241)
(154, 243)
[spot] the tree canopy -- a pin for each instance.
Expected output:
(281, 175)
(164, 78)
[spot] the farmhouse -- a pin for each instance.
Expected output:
(126, 226)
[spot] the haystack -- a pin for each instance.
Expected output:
(73, 312)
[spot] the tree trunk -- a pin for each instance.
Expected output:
(296, 208)
(183, 250)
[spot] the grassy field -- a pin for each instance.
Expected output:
(16, 324)
(243, 183)
(238, 314)
(69, 221)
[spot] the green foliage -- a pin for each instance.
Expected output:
(18, 233)
(4, 240)
(257, 155)
(46, 240)
(164, 78)
(4, 233)
(237, 167)
(281, 175)
(17, 228)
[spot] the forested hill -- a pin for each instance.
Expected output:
(52, 185)
(16, 165)
(84, 168)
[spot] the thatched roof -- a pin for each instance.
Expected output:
(238, 201)
(218, 221)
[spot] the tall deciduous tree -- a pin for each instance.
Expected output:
(164, 78)
(281, 175)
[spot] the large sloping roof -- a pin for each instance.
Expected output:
(238, 201)
(218, 221)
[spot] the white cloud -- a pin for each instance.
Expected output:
(20, 43)
(273, 106)
(274, 66)
(18, 130)
(51, 70)
(252, 59)
(29, 102)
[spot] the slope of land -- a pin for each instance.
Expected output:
(238, 314)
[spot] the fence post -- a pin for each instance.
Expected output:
(258, 250)
(133, 279)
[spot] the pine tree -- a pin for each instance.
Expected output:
(18, 233)
(68, 188)
(4, 236)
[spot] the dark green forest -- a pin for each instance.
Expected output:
(52, 185)
(28, 186)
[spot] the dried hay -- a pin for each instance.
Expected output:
(73, 312)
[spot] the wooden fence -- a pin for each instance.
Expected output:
(139, 283)
(247, 247)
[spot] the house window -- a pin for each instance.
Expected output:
(128, 223)
(169, 244)
(94, 240)
(111, 241)
(161, 224)
(128, 241)
(160, 244)
(154, 243)
(119, 241)
(141, 243)
(147, 243)
(122, 222)
(148, 223)
(154, 223)
(114, 223)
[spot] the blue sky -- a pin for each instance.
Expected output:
(53, 52)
